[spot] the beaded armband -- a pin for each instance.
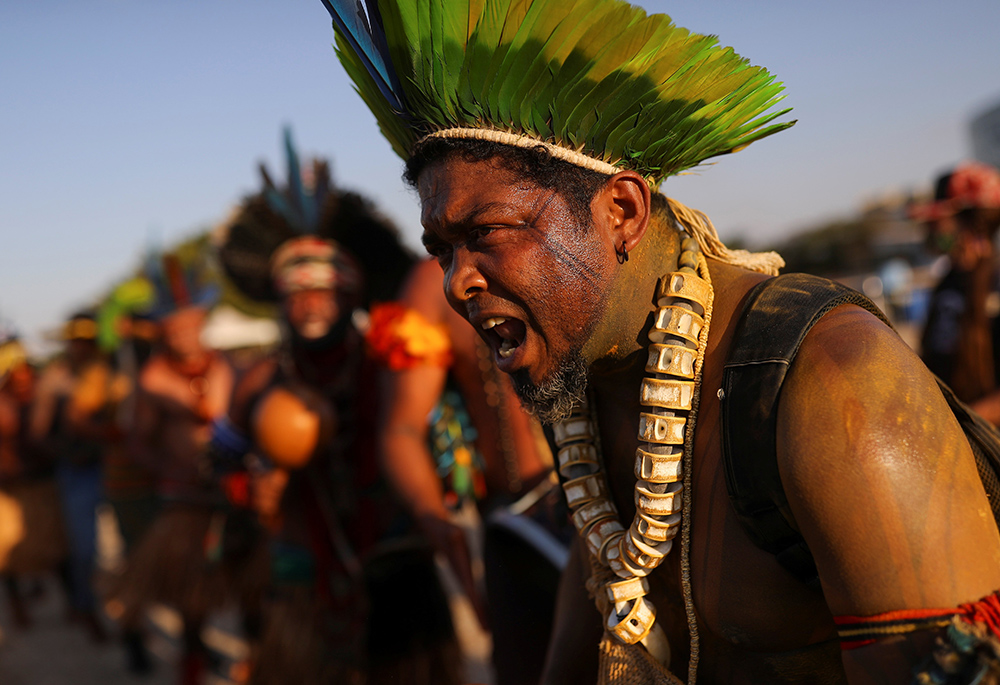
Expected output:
(966, 652)
(400, 338)
(858, 631)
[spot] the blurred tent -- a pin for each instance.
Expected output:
(228, 328)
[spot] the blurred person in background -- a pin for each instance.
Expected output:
(182, 388)
(434, 360)
(128, 337)
(32, 536)
(352, 594)
(961, 342)
(129, 485)
(70, 423)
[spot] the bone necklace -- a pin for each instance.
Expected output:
(670, 394)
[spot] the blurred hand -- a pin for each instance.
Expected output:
(970, 250)
(449, 540)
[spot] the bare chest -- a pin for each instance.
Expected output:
(197, 398)
(753, 618)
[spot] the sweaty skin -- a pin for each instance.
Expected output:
(878, 474)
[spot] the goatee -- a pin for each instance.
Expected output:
(554, 399)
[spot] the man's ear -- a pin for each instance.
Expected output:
(623, 205)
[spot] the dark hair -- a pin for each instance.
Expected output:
(536, 164)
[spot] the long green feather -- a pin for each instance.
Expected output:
(595, 75)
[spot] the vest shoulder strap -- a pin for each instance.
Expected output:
(775, 319)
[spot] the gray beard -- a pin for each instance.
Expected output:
(554, 400)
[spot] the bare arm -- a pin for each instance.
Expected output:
(409, 397)
(883, 485)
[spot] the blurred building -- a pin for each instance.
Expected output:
(986, 136)
(878, 251)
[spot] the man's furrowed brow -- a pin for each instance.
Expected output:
(443, 225)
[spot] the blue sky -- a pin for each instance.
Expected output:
(125, 122)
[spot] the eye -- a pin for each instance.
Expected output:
(438, 249)
(479, 234)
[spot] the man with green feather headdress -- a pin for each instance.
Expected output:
(736, 538)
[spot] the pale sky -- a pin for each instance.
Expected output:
(125, 122)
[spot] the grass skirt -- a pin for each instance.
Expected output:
(32, 534)
(171, 565)
(396, 629)
(295, 646)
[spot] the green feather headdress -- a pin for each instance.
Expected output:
(600, 82)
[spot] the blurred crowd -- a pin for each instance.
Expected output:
(307, 486)
(312, 483)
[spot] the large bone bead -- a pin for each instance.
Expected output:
(634, 626)
(665, 430)
(602, 534)
(641, 553)
(658, 468)
(591, 513)
(620, 591)
(658, 504)
(655, 528)
(575, 428)
(579, 491)
(577, 454)
(676, 321)
(619, 562)
(675, 360)
(666, 394)
(685, 286)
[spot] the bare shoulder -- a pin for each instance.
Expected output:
(879, 474)
(424, 291)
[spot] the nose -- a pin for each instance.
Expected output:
(462, 279)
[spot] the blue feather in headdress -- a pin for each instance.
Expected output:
(300, 206)
(176, 285)
(360, 22)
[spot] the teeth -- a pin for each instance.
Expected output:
(506, 349)
(495, 321)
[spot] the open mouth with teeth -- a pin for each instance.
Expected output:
(504, 335)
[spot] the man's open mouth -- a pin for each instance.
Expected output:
(504, 334)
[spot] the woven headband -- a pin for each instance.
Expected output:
(520, 140)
